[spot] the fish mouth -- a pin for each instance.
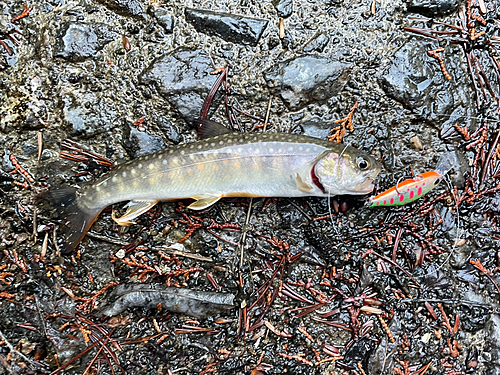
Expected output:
(365, 187)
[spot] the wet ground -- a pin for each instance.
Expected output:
(361, 291)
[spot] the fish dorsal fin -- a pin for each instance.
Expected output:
(203, 201)
(208, 129)
(134, 209)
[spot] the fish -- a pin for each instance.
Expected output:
(220, 164)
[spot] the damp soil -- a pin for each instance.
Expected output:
(321, 286)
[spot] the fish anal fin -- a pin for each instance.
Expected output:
(203, 201)
(209, 129)
(301, 185)
(134, 209)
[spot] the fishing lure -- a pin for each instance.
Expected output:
(416, 187)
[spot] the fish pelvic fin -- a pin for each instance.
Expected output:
(76, 219)
(134, 209)
(203, 201)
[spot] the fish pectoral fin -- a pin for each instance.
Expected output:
(203, 201)
(301, 185)
(134, 209)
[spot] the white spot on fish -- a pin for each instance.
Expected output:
(239, 150)
(171, 151)
(139, 166)
(200, 147)
(151, 166)
(97, 188)
(146, 157)
(221, 143)
(165, 162)
(133, 171)
(212, 144)
(114, 179)
(183, 152)
(124, 173)
(160, 156)
(271, 150)
(191, 146)
(175, 160)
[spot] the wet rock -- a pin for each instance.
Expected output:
(433, 7)
(416, 84)
(283, 7)
(307, 79)
(168, 129)
(230, 27)
(165, 19)
(87, 114)
(196, 303)
(80, 41)
(183, 78)
(317, 128)
(317, 44)
(127, 8)
(360, 351)
(491, 350)
(140, 143)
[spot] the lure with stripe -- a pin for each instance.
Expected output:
(414, 188)
(408, 190)
(224, 165)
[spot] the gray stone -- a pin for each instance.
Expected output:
(433, 7)
(80, 41)
(165, 19)
(307, 79)
(140, 143)
(230, 27)
(284, 7)
(87, 114)
(317, 44)
(128, 8)
(419, 85)
(183, 78)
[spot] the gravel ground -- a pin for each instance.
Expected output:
(396, 290)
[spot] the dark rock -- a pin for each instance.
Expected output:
(88, 114)
(418, 84)
(140, 143)
(317, 44)
(307, 79)
(183, 78)
(433, 7)
(317, 128)
(168, 129)
(127, 8)
(360, 351)
(230, 27)
(165, 19)
(79, 41)
(283, 7)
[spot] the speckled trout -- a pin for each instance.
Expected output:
(224, 165)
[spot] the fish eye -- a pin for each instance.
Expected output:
(363, 163)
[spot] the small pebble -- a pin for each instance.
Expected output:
(417, 143)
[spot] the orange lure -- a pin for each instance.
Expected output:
(408, 190)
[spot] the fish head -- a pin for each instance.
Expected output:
(350, 172)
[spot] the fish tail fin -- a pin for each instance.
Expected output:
(77, 218)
